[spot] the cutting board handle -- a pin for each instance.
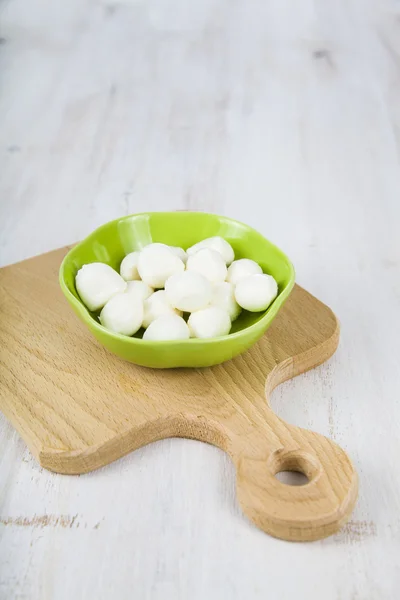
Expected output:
(299, 513)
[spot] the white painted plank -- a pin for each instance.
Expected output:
(285, 115)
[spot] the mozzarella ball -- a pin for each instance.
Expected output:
(216, 243)
(188, 291)
(96, 283)
(157, 305)
(179, 252)
(209, 263)
(167, 327)
(242, 268)
(122, 314)
(256, 292)
(156, 263)
(209, 322)
(128, 268)
(139, 289)
(224, 297)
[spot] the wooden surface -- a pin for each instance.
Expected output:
(79, 408)
(285, 115)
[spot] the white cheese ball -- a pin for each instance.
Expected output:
(188, 291)
(139, 289)
(156, 263)
(122, 314)
(96, 283)
(180, 253)
(209, 263)
(155, 306)
(167, 327)
(242, 268)
(256, 292)
(209, 322)
(128, 267)
(216, 243)
(224, 297)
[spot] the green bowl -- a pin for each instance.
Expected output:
(111, 242)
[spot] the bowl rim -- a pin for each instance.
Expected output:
(268, 315)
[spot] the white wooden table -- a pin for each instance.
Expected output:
(283, 114)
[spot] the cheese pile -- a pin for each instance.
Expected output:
(159, 284)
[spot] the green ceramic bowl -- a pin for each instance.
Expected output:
(111, 242)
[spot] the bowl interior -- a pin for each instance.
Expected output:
(111, 242)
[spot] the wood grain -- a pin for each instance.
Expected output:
(79, 408)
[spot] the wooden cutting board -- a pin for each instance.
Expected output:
(78, 407)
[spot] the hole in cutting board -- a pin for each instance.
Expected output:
(292, 477)
(294, 467)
